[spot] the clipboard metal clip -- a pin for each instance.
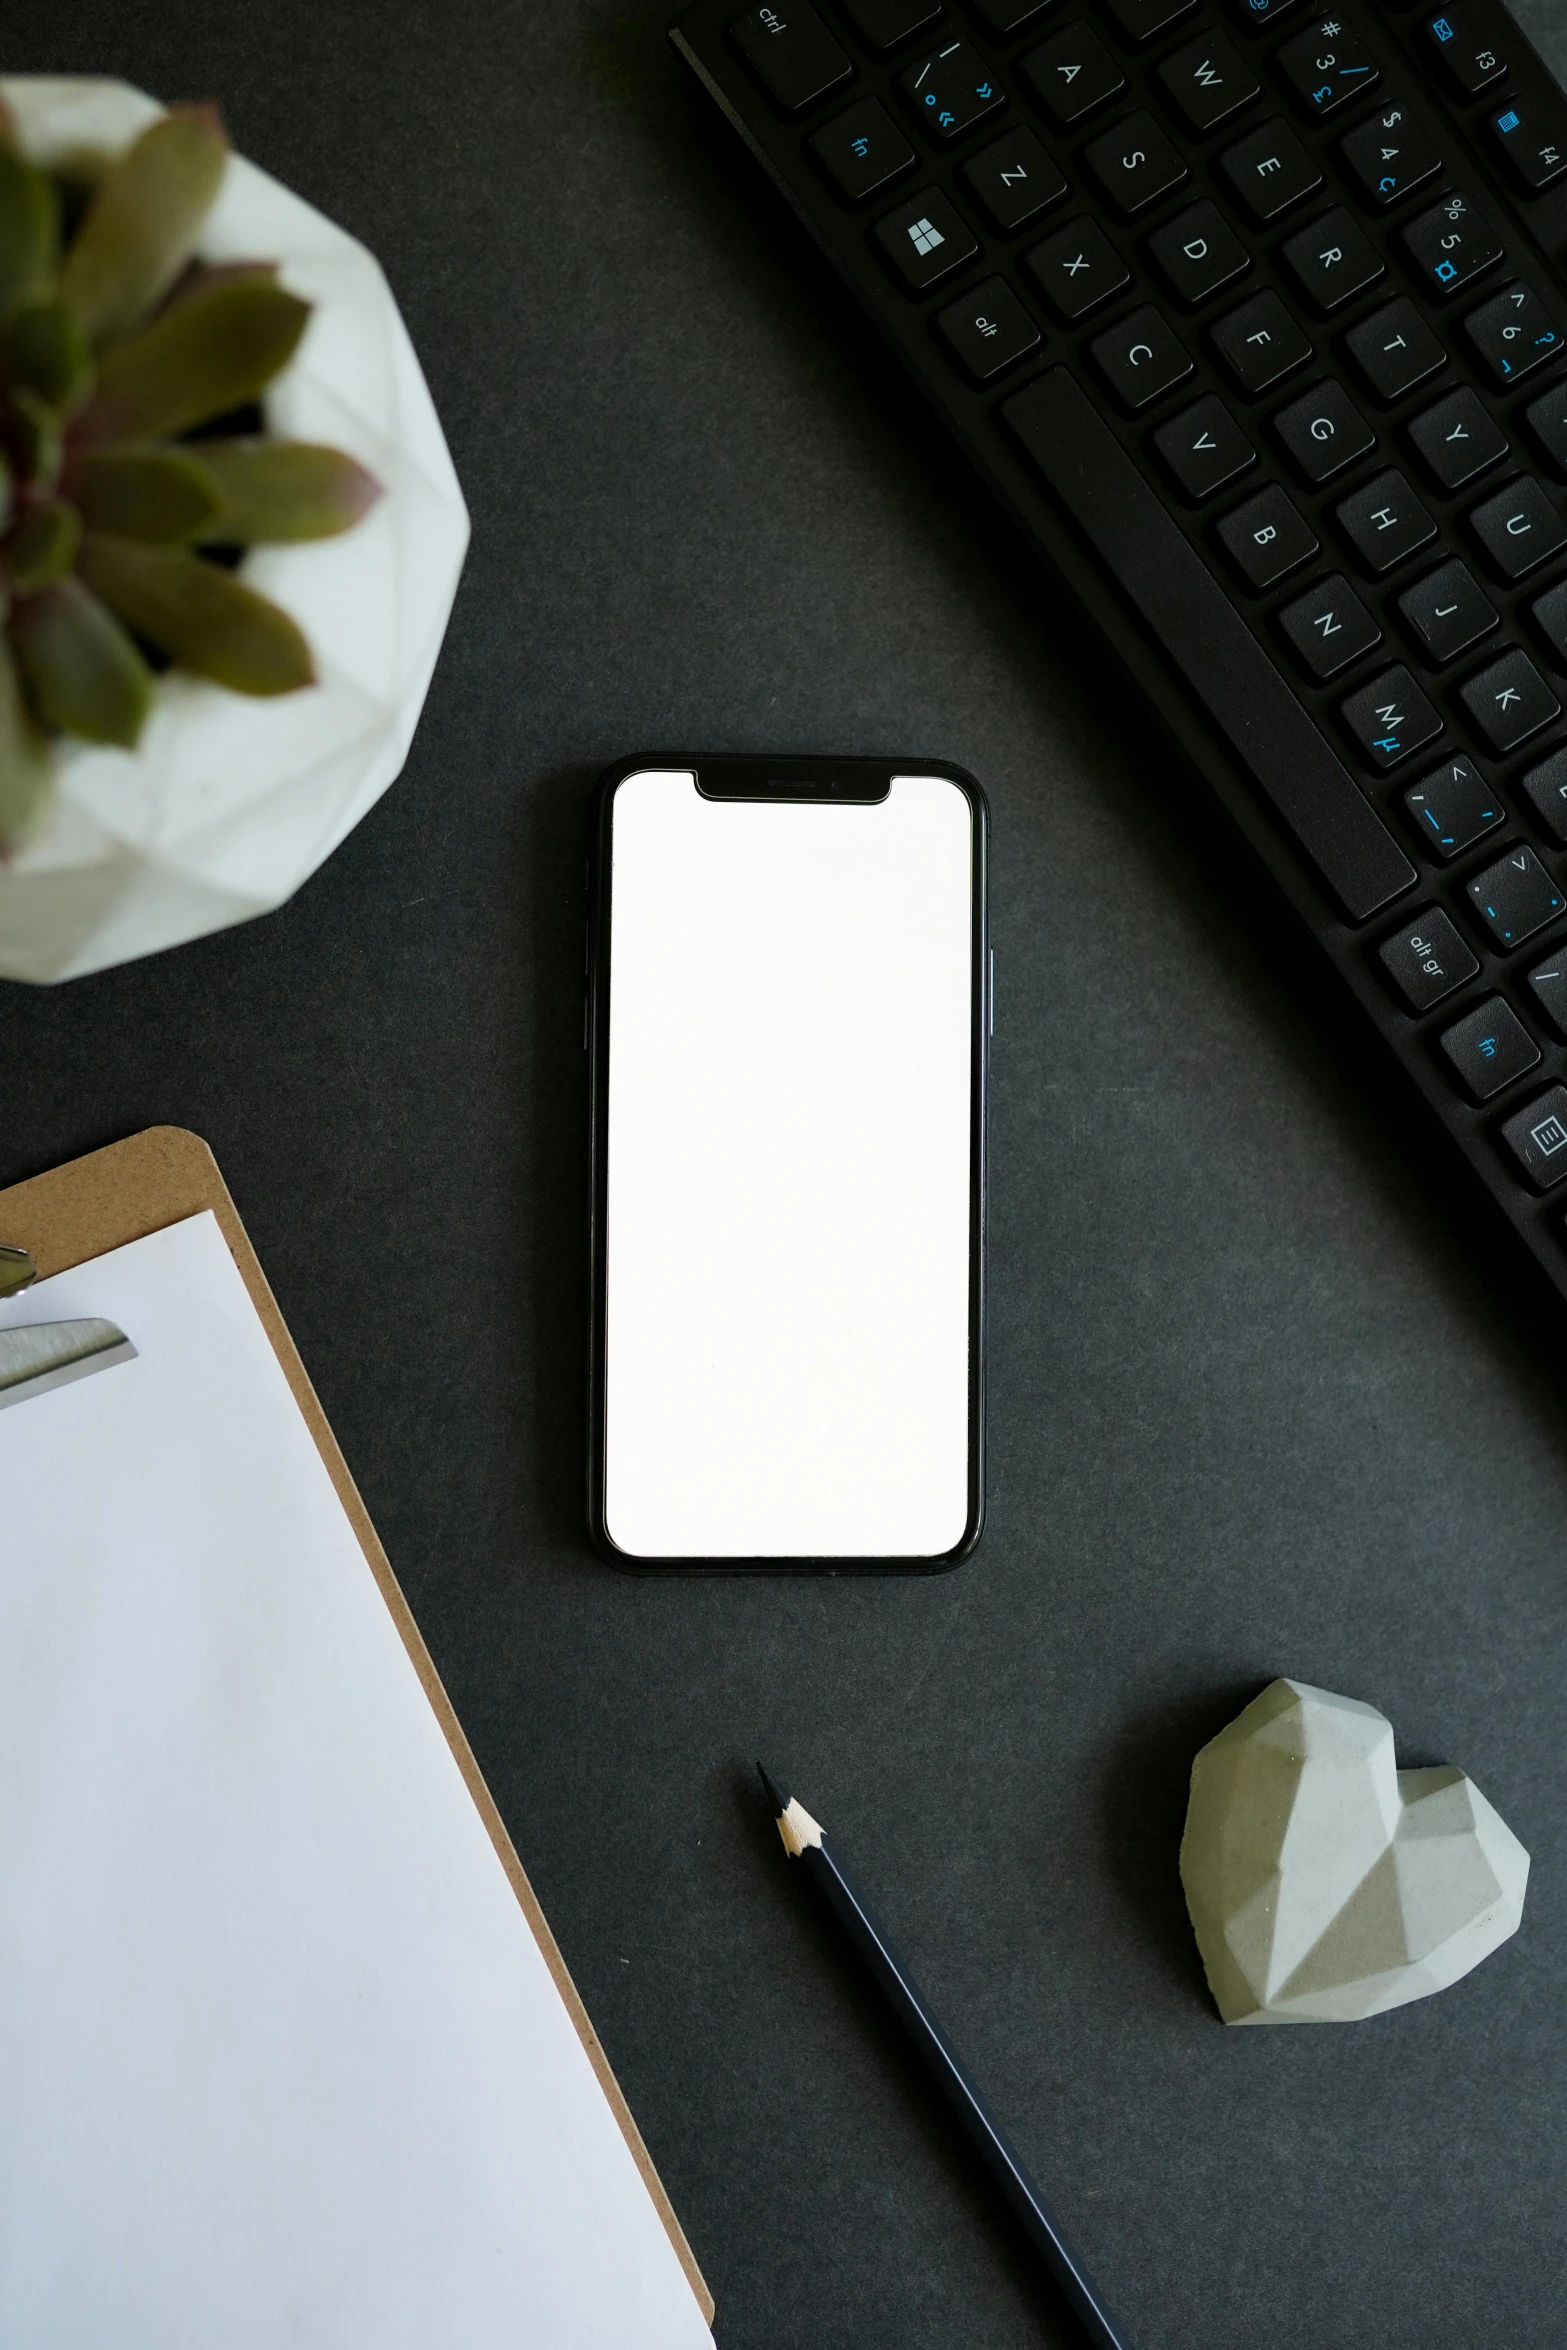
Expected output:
(51, 1354)
(41, 1355)
(17, 1271)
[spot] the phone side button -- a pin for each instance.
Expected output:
(992, 991)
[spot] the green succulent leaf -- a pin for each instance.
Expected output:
(142, 225)
(278, 492)
(24, 760)
(85, 675)
(199, 615)
(36, 438)
(42, 547)
(160, 495)
(42, 346)
(29, 227)
(203, 275)
(209, 353)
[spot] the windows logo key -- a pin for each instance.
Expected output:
(925, 236)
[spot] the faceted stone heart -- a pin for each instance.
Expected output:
(1324, 1884)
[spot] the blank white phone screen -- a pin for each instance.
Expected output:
(791, 1102)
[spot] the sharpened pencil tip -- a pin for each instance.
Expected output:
(775, 1794)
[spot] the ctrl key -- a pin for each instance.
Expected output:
(1427, 959)
(1537, 1137)
(791, 53)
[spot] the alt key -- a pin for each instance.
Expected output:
(987, 330)
(1427, 959)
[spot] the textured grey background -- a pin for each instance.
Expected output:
(1264, 1398)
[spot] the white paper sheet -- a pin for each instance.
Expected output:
(280, 2060)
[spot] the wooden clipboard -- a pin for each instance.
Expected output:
(159, 1178)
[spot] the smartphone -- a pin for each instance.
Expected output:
(788, 1020)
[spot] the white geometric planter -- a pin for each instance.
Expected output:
(229, 803)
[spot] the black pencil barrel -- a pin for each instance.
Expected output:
(951, 2077)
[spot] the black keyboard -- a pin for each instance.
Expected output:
(1255, 321)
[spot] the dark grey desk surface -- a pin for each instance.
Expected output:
(1263, 1399)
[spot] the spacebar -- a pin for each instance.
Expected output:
(1244, 695)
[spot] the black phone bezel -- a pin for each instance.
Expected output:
(787, 779)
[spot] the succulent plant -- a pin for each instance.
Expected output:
(130, 474)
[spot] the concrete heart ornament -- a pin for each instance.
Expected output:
(1325, 1884)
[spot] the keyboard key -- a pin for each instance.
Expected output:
(950, 90)
(987, 330)
(1427, 959)
(1547, 420)
(1509, 701)
(1143, 20)
(1270, 171)
(1332, 261)
(1537, 1137)
(1513, 333)
(1135, 164)
(1204, 449)
(1515, 897)
(924, 240)
(1266, 538)
(1394, 349)
(1141, 358)
(861, 150)
(887, 24)
(1451, 245)
(791, 53)
(1389, 155)
(1327, 67)
(1207, 82)
(1010, 16)
(1447, 612)
(1548, 986)
(1453, 807)
(1014, 179)
(1518, 529)
(1196, 253)
(1324, 432)
(1470, 62)
(1489, 1048)
(1390, 719)
(1549, 614)
(1260, 343)
(1071, 74)
(1181, 604)
(1457, 440)
(1546, 789)
(1385, 523)
(1256, 13)
(1328, 628)
(1077, 269)
(1532, 134)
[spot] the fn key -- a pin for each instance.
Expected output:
(987, 330)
